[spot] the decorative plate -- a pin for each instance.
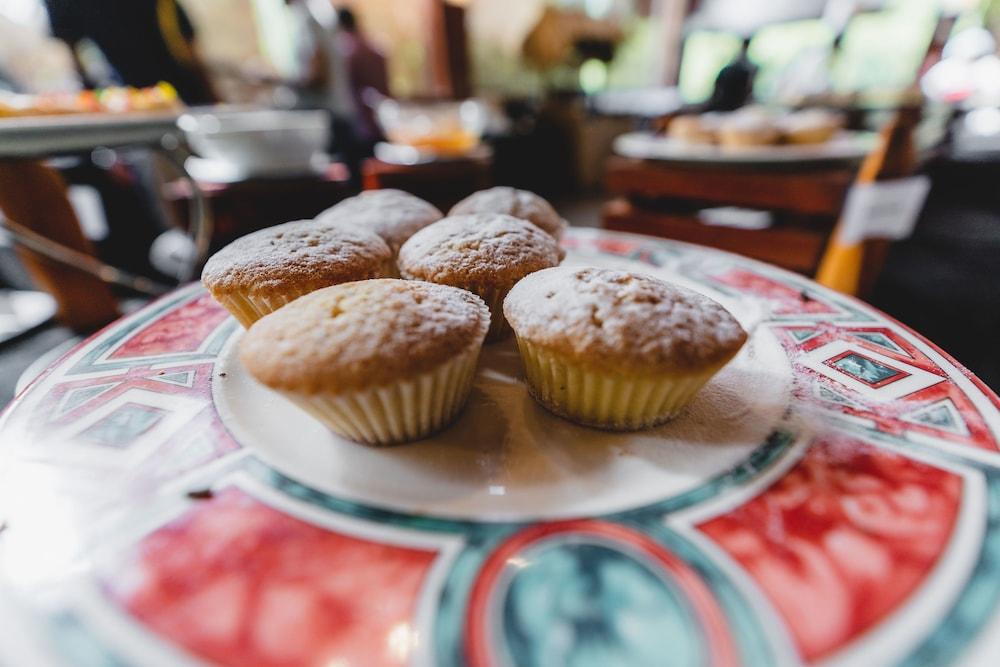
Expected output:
(845, 147)
(833, 496)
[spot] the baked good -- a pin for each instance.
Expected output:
(617, 350)
(746, 128)
(810, 126)
(377, 361)
(392, 214)
(692, 129)
(518, 203)
(262, 271)
(485, 253)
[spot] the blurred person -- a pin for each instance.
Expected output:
(369, 76)
(320, 79)
(734, 84)
(33, 62)
(810, 74)
(144, 41)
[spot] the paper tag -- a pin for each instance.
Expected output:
(883, 210)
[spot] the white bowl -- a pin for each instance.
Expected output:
(255, 141)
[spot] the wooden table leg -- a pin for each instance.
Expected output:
(34, 195)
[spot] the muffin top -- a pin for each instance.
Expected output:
(622, 322)
(364, 334)
(750, 120)
(810, 119)
(482, 250)
(392, 214)
(307, 254)
(518, 203)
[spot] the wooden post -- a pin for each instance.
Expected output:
(35, 196)
(449, 51)
(671, 15)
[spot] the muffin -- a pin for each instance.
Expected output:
(616, 350)
(810, 126)
(485, 253)
(518, 203)
(745, 130)
(261, 272)
(392, 214)
(691, 129)
(376, 361)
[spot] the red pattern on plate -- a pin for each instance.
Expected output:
(788, 300)
(240, 583)
(180, 330)
(890, 416)
(843, 539)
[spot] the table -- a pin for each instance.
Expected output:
(143, 526)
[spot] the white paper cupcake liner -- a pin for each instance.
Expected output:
(604, 400)
(399, 412)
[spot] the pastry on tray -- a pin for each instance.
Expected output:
(693, 129)
(810, 126)
(376, 361)
(161, 97)
(617, 350)
(518, 203)
(486, 253)
(744, 129)
(258, 273)
(392, 214)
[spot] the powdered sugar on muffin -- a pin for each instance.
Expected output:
(518, 203)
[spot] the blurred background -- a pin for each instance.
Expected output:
(286, 106)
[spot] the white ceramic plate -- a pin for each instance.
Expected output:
(506, 458)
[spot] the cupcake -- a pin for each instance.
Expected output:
(810, 126)
(518, 203)
(392, 214)
(692, 129)
(376, 361)
(615, 350)
(261, 272)
(485, 253)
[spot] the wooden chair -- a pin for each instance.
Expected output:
(663, 199)
(34, 203)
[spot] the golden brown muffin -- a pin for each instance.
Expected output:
(750, 126)
(392, 214)
(617, 350)
(260, 272)
(692, 129)
(518, 203)
(377, 361)
(485, 253)
(810, 126)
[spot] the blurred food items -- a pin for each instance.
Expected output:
(757, 126)
(161, 97)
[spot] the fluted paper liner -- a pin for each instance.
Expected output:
(407, 410)
(606, 400)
